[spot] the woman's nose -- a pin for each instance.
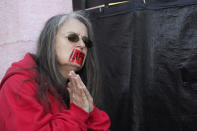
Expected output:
(81, 44)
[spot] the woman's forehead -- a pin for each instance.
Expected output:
(74, 25)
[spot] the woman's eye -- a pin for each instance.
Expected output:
(87, 42)
(73, 37)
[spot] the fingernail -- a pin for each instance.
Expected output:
(71, 72)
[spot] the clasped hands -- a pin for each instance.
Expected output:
(79, 95)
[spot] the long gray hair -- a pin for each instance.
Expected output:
(46, 59)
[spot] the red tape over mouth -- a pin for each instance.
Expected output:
(77, 56)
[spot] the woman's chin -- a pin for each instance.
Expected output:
(75, 66)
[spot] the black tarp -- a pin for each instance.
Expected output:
(148, 57)
(84, 4)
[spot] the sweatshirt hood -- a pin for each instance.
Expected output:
(23, 67)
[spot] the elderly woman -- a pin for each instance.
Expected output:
(48, 91)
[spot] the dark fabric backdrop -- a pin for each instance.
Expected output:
(84, 4)
(148, 57)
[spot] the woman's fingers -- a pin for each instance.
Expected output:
(77, 94)
(77, 83)
(86, 93)
(73, 84)
(89, 97)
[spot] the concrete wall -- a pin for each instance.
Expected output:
(20, 25)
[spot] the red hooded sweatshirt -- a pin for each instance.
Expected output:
(21, 111)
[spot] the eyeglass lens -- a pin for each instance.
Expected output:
(75, 38)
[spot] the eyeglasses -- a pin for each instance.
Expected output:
(74, 37)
